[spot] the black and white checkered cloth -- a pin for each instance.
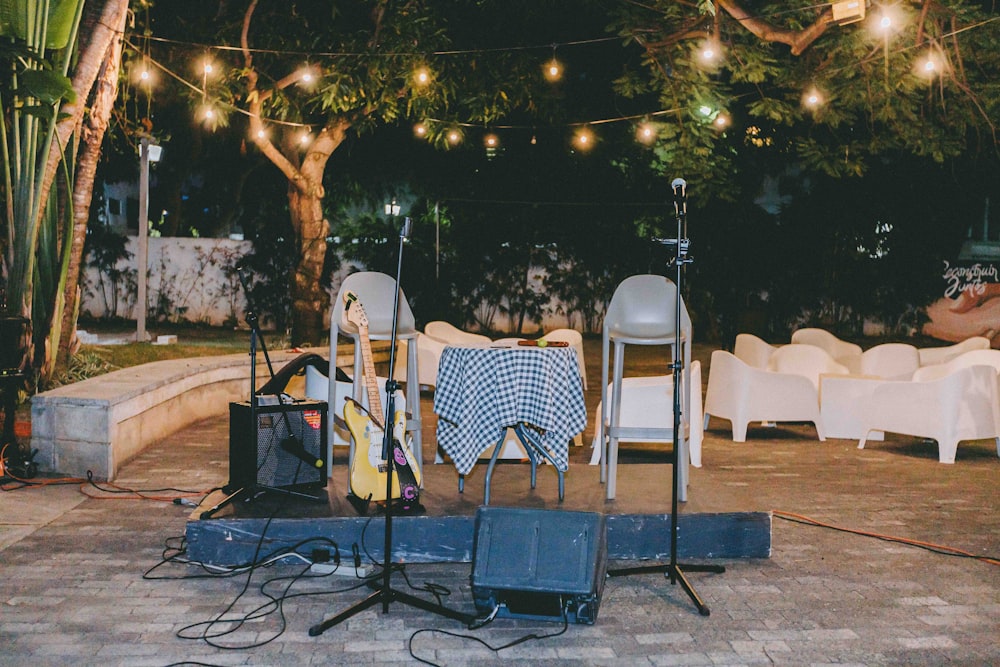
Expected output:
(483, 390)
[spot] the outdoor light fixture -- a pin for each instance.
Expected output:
(392, 209)
(848, 11)
(148, 152)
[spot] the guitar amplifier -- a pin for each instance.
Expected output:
(539, 564)
(264, 455)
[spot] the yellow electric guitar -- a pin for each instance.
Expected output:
(368, 468)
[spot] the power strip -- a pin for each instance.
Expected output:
(342, 570)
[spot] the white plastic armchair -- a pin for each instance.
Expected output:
(963, 405)
(452, 335)
(940, 355)
(971, 358)
(743, 394)
(805, 360)
(890, 361)
(753, 350)
(428, 359)
(843, 352)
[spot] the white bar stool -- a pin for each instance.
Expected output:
(375, 291)
(642, 312)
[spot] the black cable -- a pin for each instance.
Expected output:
(495, 649)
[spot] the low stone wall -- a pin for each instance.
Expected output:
(100, 423)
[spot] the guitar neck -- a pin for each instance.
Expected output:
(371, 384)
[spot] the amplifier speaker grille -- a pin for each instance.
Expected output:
(262, 461)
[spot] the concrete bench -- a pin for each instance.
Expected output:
(100, 423)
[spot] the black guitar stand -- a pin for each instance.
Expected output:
(275, 386)
(673, 569)
(384, 592)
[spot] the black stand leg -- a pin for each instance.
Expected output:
(675, 570)
(385, 594)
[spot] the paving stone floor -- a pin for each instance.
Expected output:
(73, 590)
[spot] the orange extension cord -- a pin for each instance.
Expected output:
(890, 538)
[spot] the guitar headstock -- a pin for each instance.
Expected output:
(355, 312)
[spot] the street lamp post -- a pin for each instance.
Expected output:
(147, 153)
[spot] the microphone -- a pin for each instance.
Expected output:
(295, 448)
(679, 186)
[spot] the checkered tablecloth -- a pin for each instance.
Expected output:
(483, 390)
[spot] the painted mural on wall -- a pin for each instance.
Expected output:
(970, 304)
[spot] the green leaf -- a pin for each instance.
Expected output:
(47, 86)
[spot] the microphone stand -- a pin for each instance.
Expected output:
(673, 569)
(384, 592)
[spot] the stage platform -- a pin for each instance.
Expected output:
(638, 520)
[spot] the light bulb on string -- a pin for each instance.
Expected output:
(454, 137)
(421, 77)
(812, 99)
(645, 133)
(584, 139)
(553, 69)
(491, 141)
(420, 131)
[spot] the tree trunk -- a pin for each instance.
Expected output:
(92, 137)
(305, 204)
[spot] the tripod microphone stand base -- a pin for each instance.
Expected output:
(676, 575)
(387, 596)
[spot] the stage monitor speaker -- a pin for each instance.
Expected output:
(268, 459)
(539, 564)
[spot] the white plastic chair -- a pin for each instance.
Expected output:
(805, 360)
(963, 405)
(428, 359)
(753, 350)
(842, 351)
(318, 388)
(452, 335)
(890, 361)
(940, 355)
(376, 293)
(642, 311)
(971, 358)
(743, 394)
(648, 408)
(575, 340)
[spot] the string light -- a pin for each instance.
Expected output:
(454, 137)
(645, 133)
(553, 70)
(422, 76)
(420, 130)
(812, 99)
(584, 139)
(491, 141)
